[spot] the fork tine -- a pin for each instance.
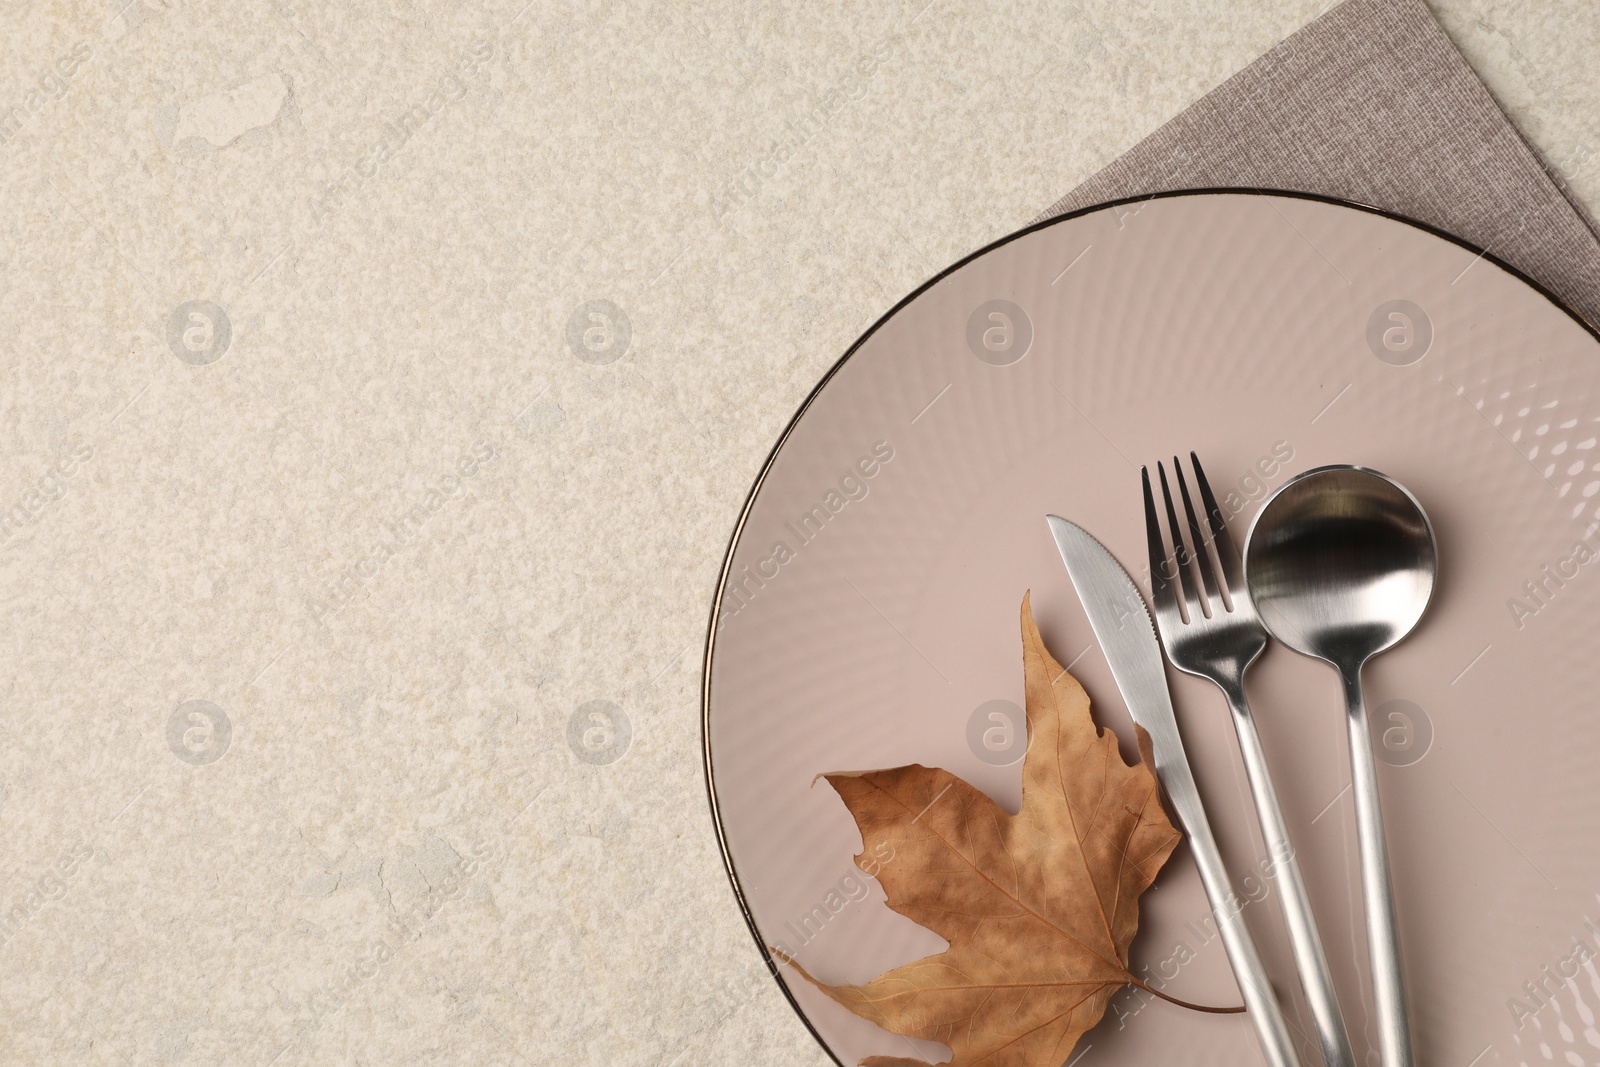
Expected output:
(1201, 555)
(1180, 552)
(1160, 584)
(1227, 553)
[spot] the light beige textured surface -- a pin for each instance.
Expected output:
(398, 532)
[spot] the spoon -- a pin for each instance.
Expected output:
(1341, 563)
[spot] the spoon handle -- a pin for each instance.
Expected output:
(1383, 936)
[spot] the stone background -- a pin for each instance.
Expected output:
(381, 387)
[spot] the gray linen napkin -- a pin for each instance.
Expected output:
(1373, 103)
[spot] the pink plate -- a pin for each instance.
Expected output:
(868, 611)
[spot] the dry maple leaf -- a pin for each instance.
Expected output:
(1039, 907)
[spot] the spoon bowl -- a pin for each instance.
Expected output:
(1341, 563)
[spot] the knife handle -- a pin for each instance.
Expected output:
(1261, 1005)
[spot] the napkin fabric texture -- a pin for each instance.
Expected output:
(1373, 103)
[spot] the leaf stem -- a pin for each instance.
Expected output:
(1183, 1003)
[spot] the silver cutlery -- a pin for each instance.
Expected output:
(1122, 625)
(1210, 629)
(1341, 563)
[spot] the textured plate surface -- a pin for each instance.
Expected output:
(868, 613)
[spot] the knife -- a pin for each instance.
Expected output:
(1122, 625)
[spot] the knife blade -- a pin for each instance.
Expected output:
(1122, 625)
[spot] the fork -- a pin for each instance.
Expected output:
(1213, 632)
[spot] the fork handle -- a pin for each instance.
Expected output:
(1310, 960)
(1261, 1004)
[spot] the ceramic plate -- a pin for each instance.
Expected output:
(867, 615)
